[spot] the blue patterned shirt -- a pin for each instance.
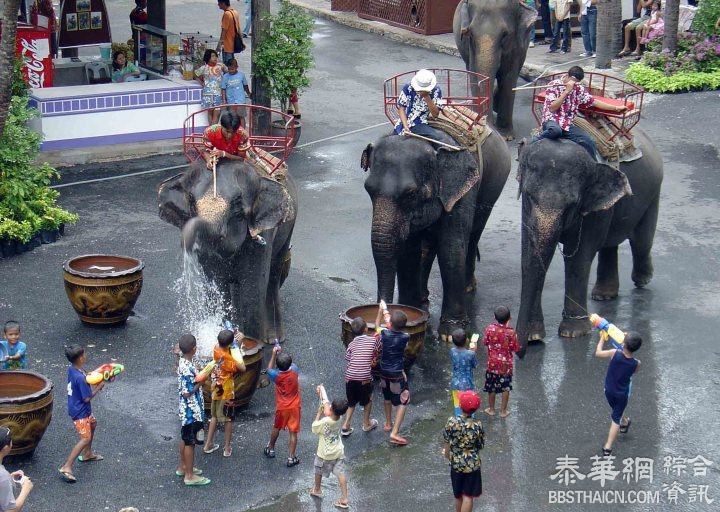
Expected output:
(416, 109)
(463, 362)
(191, 408)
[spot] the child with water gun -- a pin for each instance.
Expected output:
(227, 356)
(463, 362)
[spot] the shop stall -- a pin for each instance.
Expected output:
(80, 107)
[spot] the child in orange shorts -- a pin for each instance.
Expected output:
(79, 395)
(287, 403)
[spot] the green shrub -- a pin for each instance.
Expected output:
(654, 80)
(27, 203)
(706, 16)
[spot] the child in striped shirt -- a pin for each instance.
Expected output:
(361, 352)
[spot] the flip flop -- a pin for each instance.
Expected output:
(373, 425)
(346, 432)
(340, 504)
(97, 457)
(626, 427)
(201, 481)
(214, 448)
(315, 494)
(196, 471)
(227, 453)
(67, 476)
(622, 54)
(400, 441)
(387, 428)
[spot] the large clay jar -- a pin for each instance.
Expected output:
(416, 326)
(26, 403)
(103, 288)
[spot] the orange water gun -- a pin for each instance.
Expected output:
(205, 372)
(106, 372)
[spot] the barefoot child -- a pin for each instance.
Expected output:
(287, 403)
(618, 382)
(463, 363)
(192, 413)
(79, 395)
(13, 350)
(330, 456)
(501, 342)
(222, 409)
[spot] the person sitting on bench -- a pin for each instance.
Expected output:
(418, 100)
(563, 97)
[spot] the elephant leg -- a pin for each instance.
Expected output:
(607, 282)
(428, 252)
(473, 252)
(451, 259)
(641, 243)
(409, 273)
(575, 320)
(504, 101)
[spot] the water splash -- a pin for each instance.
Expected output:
(200, 304)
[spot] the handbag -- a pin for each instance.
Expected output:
(238, 43)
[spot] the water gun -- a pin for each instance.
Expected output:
(277, 344)
(105, 372)
(235, 351)
(617, 337)
(473, 341)
(205, 372)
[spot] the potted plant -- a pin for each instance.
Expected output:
(284, 57)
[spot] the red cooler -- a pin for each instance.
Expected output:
(33, 45)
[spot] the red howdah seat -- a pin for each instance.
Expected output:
(540, 97)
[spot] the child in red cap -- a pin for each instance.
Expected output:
(464, 438)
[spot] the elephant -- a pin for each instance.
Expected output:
(248, 268)
(495, 45)
(591, 208)
(429, 203)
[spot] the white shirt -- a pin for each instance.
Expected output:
(561, 6)
(584, 4)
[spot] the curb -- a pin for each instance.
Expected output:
(528, 72)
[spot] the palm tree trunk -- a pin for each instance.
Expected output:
(671, 14)
(260, 9)
(609, 35)
(7, 56)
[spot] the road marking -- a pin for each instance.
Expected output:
(161, 169)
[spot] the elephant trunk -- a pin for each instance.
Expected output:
(389, 231)
(541, 230)
(190, 232)
(484, 59)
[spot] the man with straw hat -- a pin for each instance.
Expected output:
(418, 100)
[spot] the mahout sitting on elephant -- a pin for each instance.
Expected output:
(225, 230)
(417, 101)
(429, 203)
(590, 208)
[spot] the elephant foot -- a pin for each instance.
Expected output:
(608, 292)
(642, 276)
(447, 327)
(509, 137)
(535, 332)
(263, 382)
(470, 288)
(574, 327)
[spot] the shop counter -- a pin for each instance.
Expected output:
(97, 115)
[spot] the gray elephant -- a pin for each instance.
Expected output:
(495, 45)
(590, 208)
(429, 203)
(228, 233)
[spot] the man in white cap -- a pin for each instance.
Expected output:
(418, 100)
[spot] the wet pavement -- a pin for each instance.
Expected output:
(558, 406)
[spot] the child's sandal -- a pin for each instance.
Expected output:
(270, 454)
(292, 461)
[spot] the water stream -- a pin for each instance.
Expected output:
(200, 304)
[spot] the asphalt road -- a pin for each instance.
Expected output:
(558, 407)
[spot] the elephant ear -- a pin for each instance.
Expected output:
(174, 203)
(608, 187)
(272, 206)
(458, 172)
(365, 158)
(527, 15)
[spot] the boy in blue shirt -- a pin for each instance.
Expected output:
(13, 351)
(79, 395)
(235, 90)
(464, 362)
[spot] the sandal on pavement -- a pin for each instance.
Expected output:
(269, 453)
(346, 431)
(622, 54)
(315, 494)
(373, 425)
(96, 457)
(387, 428)
(626, 427)
(213, 448)
(292, 461)
(200, 481)
(227, 453)
(606, 452)
(196, 471)
(399, 441)
(341, 504)
(67, 476)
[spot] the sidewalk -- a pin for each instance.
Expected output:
(536, 62)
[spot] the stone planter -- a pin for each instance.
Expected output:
(416, 326)
(103, 288)
(278, 130)
(26, 403)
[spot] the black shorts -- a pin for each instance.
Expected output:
(395, 389)
(466, 484)
(188, 433)
(358, 392)
(495, 383)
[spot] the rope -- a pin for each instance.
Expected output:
(213, 162)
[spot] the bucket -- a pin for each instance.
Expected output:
(105, 51)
